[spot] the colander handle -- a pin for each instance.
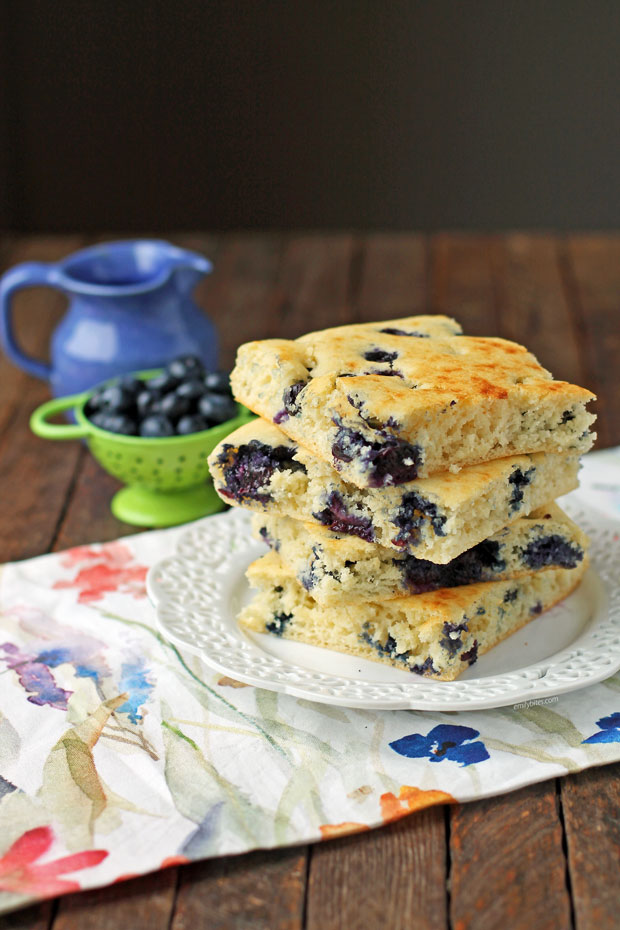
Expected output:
(40, 426)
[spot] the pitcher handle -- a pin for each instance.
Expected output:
(28, 274)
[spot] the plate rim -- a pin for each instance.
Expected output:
(230, 539)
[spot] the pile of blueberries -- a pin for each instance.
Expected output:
(183, 399)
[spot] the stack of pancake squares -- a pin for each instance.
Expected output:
(403, 476)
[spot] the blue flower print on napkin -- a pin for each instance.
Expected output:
(609, 732)
(136, 684)
(443, 742)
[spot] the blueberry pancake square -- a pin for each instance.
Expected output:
(336, 567)
(386, 403)
(439, 634)
(435, 518)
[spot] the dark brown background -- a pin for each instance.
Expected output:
(129, 115)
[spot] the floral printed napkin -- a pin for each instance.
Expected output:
(120, 755)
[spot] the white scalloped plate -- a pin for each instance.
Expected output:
(199, 591)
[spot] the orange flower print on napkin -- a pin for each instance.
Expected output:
(329, 830)
(411, 799)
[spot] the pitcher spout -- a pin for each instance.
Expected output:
(186, 267)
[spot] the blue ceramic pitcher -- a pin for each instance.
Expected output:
(130, 308)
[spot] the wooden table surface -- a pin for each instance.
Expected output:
(542, 857)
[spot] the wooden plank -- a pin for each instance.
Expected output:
(35, 475)
(241, 288)
(262, 890)
(387, 879)
(473, 283)
(244, 299)
(590, 800)
(461, 282)
(12, 379)
(315, 284)
(240, 296)
(507, 865)
(590, 803)
(366, 881)
(590, 268)
(144, 903)
(592, 275)
(291, 288)
(393, 276)
(87, 516)
(533, 308)
(35, 484)
(38, 917)
(500, 285)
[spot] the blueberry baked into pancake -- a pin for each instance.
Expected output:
(386, 403)
(436, 518)
(334, 567)
(438, 634)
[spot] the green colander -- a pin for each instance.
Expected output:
(167, 479)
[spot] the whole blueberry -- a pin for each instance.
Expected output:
(91, 409)
(145, 402)
(117, 423)
(191, 424)
(216, 408)
(156, 427)
(218, 382)
(97, 418)
(129, 383)
(116, 399)
(95, 402)
(174, 405)
(164, 382)
(185, 366)
(192, 389)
